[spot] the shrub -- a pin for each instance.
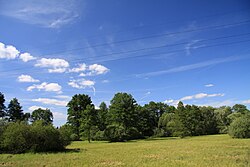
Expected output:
(46, 138)
(17, 138)
(115, 133)
(240, 127)
(66, 132)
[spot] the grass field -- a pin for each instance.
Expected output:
(215, 150)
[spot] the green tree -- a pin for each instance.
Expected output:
(240, 127)
(89, 121)
(42, 114)
(123, 114)
(239, 108)
(102, 116)
(14, 111)
(2, 106)
(223, 121)
(76, 106)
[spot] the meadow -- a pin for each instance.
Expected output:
(210, 151)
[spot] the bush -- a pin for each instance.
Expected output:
(240, 127)
(20, 137)
(46, 138)
(115, 133)
(66, 133)
(17, 138)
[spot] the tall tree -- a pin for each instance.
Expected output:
(102, 116)
(123, 115)
(2, 106)
(42, 114)
(76, 107)
(15, 112)
(88, 121)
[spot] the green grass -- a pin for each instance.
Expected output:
(210, 151)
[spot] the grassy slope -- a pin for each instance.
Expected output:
(216, 150)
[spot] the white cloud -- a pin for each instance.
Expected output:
(191, 97)
(209, 85)
(32, 108)
(59, 115)
(51, 101)
(26, 78)
(95, 69)
(25, 57)
(82, 84)
(246, 101)
(48, 87)
(98, 69)
(45, 13)
(54, 65)
(80, 68)
(8, 52)
(62, 97)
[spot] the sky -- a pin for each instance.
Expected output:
(166, 51)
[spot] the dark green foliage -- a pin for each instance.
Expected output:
(102, 116)
(15, 112)
(76, 106)
(115, 133)
(19, 137)
(223, 121)
(40, 114)
(46, 138)
(89, 122)
(240, 127)
(239, 108)
(123, 117)
(66, 134)
(2, 106)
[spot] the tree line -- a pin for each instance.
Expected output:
(124, 119)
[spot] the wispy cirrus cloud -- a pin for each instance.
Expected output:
(46, 13)
(193, 66)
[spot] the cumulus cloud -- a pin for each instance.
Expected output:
(54, 65)
(32, 108)
(209, 85)
(192, 97)
(51, 101)
(25, 57)
(82, 84)
(80, 68)
(8, 52)
(95, 69)
(48, 87)
(26, 78)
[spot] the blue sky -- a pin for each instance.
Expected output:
(165, 51)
